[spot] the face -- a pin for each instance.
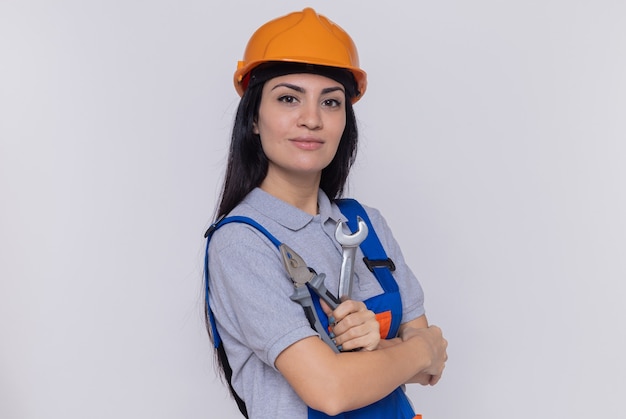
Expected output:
(301, 120)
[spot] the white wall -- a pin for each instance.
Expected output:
(493, 139)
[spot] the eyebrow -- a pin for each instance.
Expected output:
(301, 90)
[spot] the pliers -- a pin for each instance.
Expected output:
(301, 276)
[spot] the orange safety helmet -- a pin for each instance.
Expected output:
(301, 37)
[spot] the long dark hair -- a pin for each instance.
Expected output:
(247, 163)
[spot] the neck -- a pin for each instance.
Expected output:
(299, 192)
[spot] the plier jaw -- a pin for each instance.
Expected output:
(301, 274)
(297, 269)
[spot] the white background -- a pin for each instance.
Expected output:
(492, 138)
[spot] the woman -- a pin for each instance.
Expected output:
(293, 143)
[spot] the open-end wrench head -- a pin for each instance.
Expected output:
(351, 240)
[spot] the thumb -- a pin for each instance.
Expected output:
(326, 308)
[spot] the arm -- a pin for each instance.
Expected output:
(335, 383)
(421, 322)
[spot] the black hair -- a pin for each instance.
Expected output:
(247, 163)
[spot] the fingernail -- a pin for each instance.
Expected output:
(332, 335)
(331, 319)
(340, 348)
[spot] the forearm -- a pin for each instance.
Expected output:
(370, 378)
(336, 383)
(419, 378)
(418, 323)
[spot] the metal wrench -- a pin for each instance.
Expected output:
(349, 244)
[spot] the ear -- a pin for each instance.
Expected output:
(255, 127)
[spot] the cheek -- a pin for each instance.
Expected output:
(266, 122)
(340, 128)
(269, 135)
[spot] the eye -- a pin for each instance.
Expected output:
(287, 99)
(331, 103)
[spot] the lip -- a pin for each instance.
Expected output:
(307, 143)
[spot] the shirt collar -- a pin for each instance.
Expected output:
(286, 214)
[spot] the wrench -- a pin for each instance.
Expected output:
(349, 244)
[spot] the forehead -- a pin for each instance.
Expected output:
(304, 80)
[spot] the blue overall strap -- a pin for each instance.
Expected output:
(375, 257)
(209, 233)
(239, 219)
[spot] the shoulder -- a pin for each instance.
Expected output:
(235, 238)
(250, 229)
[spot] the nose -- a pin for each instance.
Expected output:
(310, 116)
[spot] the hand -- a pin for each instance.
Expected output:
(388, 343)
(436, 346)
(354, 326)
(423, 378)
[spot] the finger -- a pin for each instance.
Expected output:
(355, 320)
(367, 342)
(434, 379)
(356, 338)
(359, 336)
(423, 379)
(347, 307)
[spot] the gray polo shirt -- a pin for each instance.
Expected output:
(249, 291)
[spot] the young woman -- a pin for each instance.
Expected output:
(293, 143)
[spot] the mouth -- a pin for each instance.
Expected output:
(307, 143)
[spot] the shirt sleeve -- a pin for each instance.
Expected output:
(410, 288)
(249, 294)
